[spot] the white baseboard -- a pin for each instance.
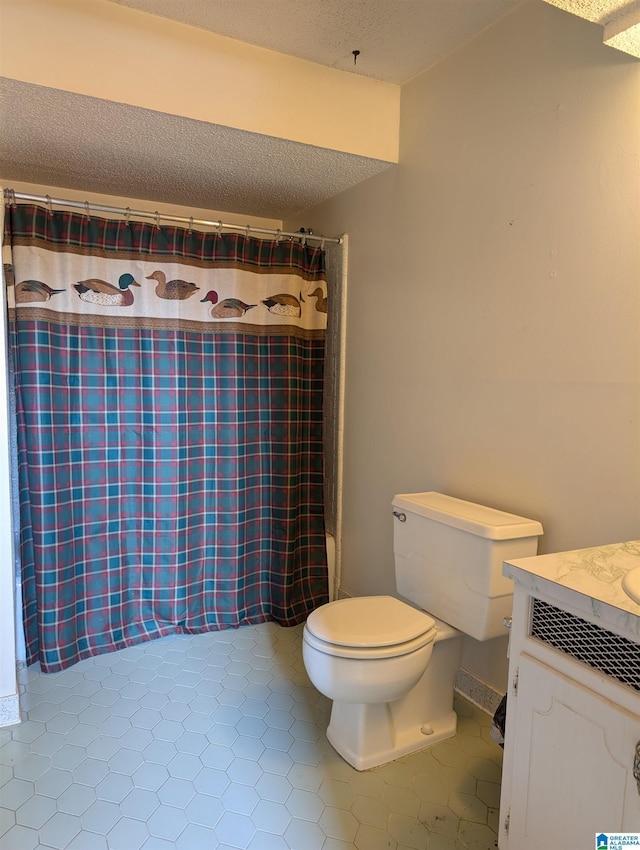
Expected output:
(477, 692)
(9, 710)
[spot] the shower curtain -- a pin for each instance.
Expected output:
(168, 389)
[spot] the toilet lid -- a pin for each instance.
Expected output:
(368, 621)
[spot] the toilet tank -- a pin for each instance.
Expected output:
(449, 555)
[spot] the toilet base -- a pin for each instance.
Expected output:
(364, 751)
(367, 735)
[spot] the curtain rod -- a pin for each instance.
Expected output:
(10, 196)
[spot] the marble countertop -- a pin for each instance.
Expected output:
(589, 580)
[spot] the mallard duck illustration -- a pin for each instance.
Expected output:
(172, 290)
(34, 290)
(283, 305)
(321, 303)
(97, 291)
(230, 308)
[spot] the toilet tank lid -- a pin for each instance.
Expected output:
(368, 621)
(467, 516)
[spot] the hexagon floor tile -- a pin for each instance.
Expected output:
(218, 741)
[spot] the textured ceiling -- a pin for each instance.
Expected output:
(597, 11)
(111, 148)
(397, 39)
(61, 139)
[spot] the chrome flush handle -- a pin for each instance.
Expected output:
(398, 515)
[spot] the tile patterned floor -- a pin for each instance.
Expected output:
(217, 741)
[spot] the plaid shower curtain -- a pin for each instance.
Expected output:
(169, 429)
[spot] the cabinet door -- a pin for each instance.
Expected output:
(572, 763)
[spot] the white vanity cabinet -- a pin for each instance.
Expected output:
(572, 738)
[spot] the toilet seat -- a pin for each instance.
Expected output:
(369, 627)
(369, 652)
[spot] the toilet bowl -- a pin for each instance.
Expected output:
(389, 665)
(346, 659)
(392, 687)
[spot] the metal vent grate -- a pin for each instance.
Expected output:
(612, 654)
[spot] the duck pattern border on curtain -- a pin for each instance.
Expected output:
(169, 414)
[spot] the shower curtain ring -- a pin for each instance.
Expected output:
(12, 198)
(87, 211)
(190, 223)
(322, 243)
(248, 230)
(127, 216)
(157, 217)
(278, 232)
(219, 230)
(49, 205)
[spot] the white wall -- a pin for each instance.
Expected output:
(9, 708)
(493, 348)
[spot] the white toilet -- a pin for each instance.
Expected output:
(390, 666)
